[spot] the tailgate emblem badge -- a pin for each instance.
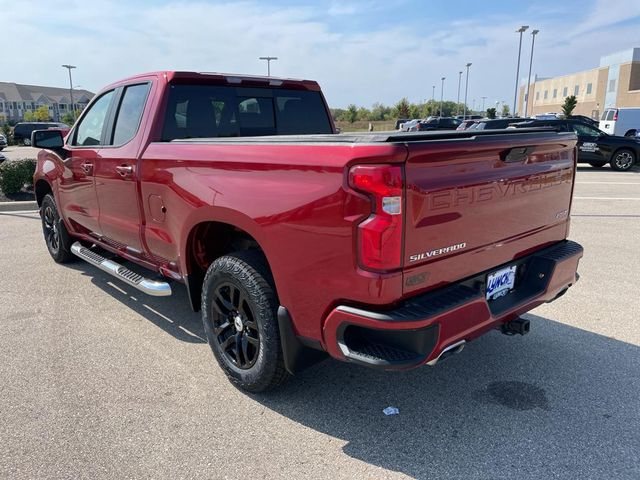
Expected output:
(437, 252)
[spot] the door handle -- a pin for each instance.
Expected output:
(87, 167)
(124, 170)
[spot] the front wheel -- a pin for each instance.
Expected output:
(55, 233)
(623, 160)
(239, 313)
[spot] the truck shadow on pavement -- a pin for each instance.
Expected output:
(171, 314)
(559, 403)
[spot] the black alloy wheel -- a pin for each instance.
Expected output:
(235, 326)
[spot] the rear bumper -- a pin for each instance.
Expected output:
(419, 329)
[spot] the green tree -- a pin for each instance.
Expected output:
(379, 111)
(364, 113)
(505, 110)
(352, 113)
(569, 105)
(69, 119)
(401, 109)
(28, 116)
(41, 114)
(491, 112)
(6, 131)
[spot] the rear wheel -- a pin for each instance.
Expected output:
(239, 313)
(623, 160)
(597, 164)
(55, 233)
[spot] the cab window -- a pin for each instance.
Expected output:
(134, 98)
(90, 128)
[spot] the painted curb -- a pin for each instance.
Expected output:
(18, 206)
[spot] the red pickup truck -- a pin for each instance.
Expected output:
(385, 250)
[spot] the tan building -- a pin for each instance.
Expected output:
(17, 99)
(615, 83)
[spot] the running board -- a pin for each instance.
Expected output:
(150, 287)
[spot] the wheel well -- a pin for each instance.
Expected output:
(42, 188)
(208, 241)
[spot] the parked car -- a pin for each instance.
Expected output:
(22, 131)
(464, 124)
(399, 123)
(497, 123)
(469, 117)
(588, 120)
(405, 127)
(596, 147)
(3, 142)
(2, 158)
(374, 250)
(436, 123)
(621, 121)
(546, 116)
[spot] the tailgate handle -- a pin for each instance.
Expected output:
(516, 154)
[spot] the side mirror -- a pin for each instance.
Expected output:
(47, 139)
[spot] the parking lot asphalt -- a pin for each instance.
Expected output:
(14, 152)
(99, 381)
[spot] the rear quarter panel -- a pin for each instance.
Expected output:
(293, 199)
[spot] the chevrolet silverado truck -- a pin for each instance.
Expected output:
(387, 250)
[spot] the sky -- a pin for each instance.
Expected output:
(360, 52)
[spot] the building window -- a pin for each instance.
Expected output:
(555, 92)
(576, 90)
(546, 94)
(564, 91)
(537, 95)
(589, 87)
(612, 85)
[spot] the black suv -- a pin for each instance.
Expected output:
(22, 130)
(595, 147)
(440, 123)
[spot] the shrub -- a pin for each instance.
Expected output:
(14, 175)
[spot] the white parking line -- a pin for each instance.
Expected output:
(607, 198)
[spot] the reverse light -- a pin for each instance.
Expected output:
(379, 237)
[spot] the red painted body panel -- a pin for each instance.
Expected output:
(294, 200)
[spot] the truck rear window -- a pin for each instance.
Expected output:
(209, 111)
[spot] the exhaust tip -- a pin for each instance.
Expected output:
(449, 351)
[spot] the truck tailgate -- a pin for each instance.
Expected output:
(477, 203)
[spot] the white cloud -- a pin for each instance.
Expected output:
(110, 39)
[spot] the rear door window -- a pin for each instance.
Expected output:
(210, 111)
(130, 111)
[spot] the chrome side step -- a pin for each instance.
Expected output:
(450, 350)
(150, 287)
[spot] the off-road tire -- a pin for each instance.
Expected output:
(55, 233)
(245, 272)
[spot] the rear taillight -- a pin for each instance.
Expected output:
(615, 116)
(380, 236)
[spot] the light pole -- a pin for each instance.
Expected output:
(441, 95)
(515, 95)
(466, 90)
(73, 109)
(458, 101)
(433, 93)
(533, 41)
(483, 99)
(268, 59)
